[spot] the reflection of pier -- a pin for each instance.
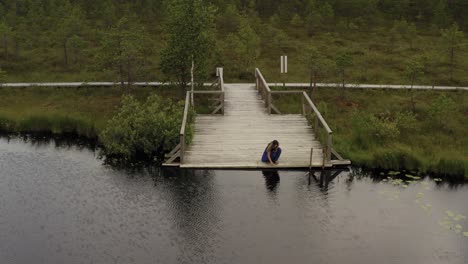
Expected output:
(323, 177)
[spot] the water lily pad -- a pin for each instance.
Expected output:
(458, 226)
(420, 194)
(465, 234)
(449, 213)
(437, 179)
(404, 186)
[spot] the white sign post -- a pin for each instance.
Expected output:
(284, 64)
(284, 67)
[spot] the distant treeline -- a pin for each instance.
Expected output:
(123, 39)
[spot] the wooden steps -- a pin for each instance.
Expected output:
(237, 139)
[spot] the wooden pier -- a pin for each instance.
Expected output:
(247, 121)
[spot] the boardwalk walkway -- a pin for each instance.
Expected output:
(244, 121)
(237, 138)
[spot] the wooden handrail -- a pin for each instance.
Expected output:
(266, 92)
(189, 94)
(317, 112)
(220, 74)
(207, 92)
(184, 125)
(263, 89)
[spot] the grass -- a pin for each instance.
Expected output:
(84, 111)
(425, 145)
(376, 59)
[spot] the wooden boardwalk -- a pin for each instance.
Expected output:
(244, 121)
(237, 138)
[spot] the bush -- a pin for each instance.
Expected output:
(143, 131)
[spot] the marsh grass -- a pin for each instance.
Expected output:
(377, 129)
(84, 111)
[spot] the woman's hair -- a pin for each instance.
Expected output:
(274, 144)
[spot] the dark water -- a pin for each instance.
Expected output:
(61, 205)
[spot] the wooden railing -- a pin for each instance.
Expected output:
(179, 150)
(321, 129)
(263, 89)
(182, 134)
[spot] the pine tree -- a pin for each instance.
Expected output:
(453, 38)
(191, 38)
(125, 48)
(5, 36)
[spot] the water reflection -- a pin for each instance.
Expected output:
(63, 206)
(323, 178)
(272, 179)
(195, 208)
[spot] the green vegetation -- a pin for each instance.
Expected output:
(191, 31)
(379, 129)
(359, 41)
(156, 40)
(84, 111)
(143, 131)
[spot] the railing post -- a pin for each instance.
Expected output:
(316, 123)
(329, 146)
(182, 147)
(303, 106)
(222, 103)
(269, 103)
(310, 163)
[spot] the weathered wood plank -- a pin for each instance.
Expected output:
(238, 138)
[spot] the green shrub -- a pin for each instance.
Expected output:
(142, 131)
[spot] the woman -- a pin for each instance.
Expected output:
(272, 153)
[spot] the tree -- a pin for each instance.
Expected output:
(2, 75)
(5, 35)
(317, 66)
(296, 21)
(69, 26)
(244, 49)
(414, 68)
(343, 61)
(230, 20)
(125, 48)
(441, 109)
(191, 38)
(453, 38)
(441, 17)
